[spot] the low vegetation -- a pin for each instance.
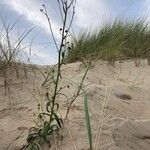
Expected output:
(120, 40)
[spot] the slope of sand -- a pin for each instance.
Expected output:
(124, 89)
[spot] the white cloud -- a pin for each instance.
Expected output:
(96, 12)
(91, 13)
(148, 6)
(146, 10)
(31, 10)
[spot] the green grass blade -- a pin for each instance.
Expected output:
(87, 117)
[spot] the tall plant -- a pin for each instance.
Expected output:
(51, 121)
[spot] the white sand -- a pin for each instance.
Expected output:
(126, 125)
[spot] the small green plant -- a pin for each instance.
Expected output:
(51, 123)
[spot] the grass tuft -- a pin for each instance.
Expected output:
(123, 39)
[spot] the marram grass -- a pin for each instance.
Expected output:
(123, 39)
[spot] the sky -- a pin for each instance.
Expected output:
(88, 14)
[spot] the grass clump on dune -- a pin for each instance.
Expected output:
(123, 39)
(13, 52)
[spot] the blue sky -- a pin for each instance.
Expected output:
(88, 14)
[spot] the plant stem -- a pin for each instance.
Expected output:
(59, 63)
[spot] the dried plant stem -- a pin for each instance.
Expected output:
(80, 87)
(103, 111)
(72, 140)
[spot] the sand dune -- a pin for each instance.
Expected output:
(126, 125)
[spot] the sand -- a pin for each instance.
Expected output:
(125, 91)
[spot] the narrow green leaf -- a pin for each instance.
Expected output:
(59, 121)
(87, 117)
